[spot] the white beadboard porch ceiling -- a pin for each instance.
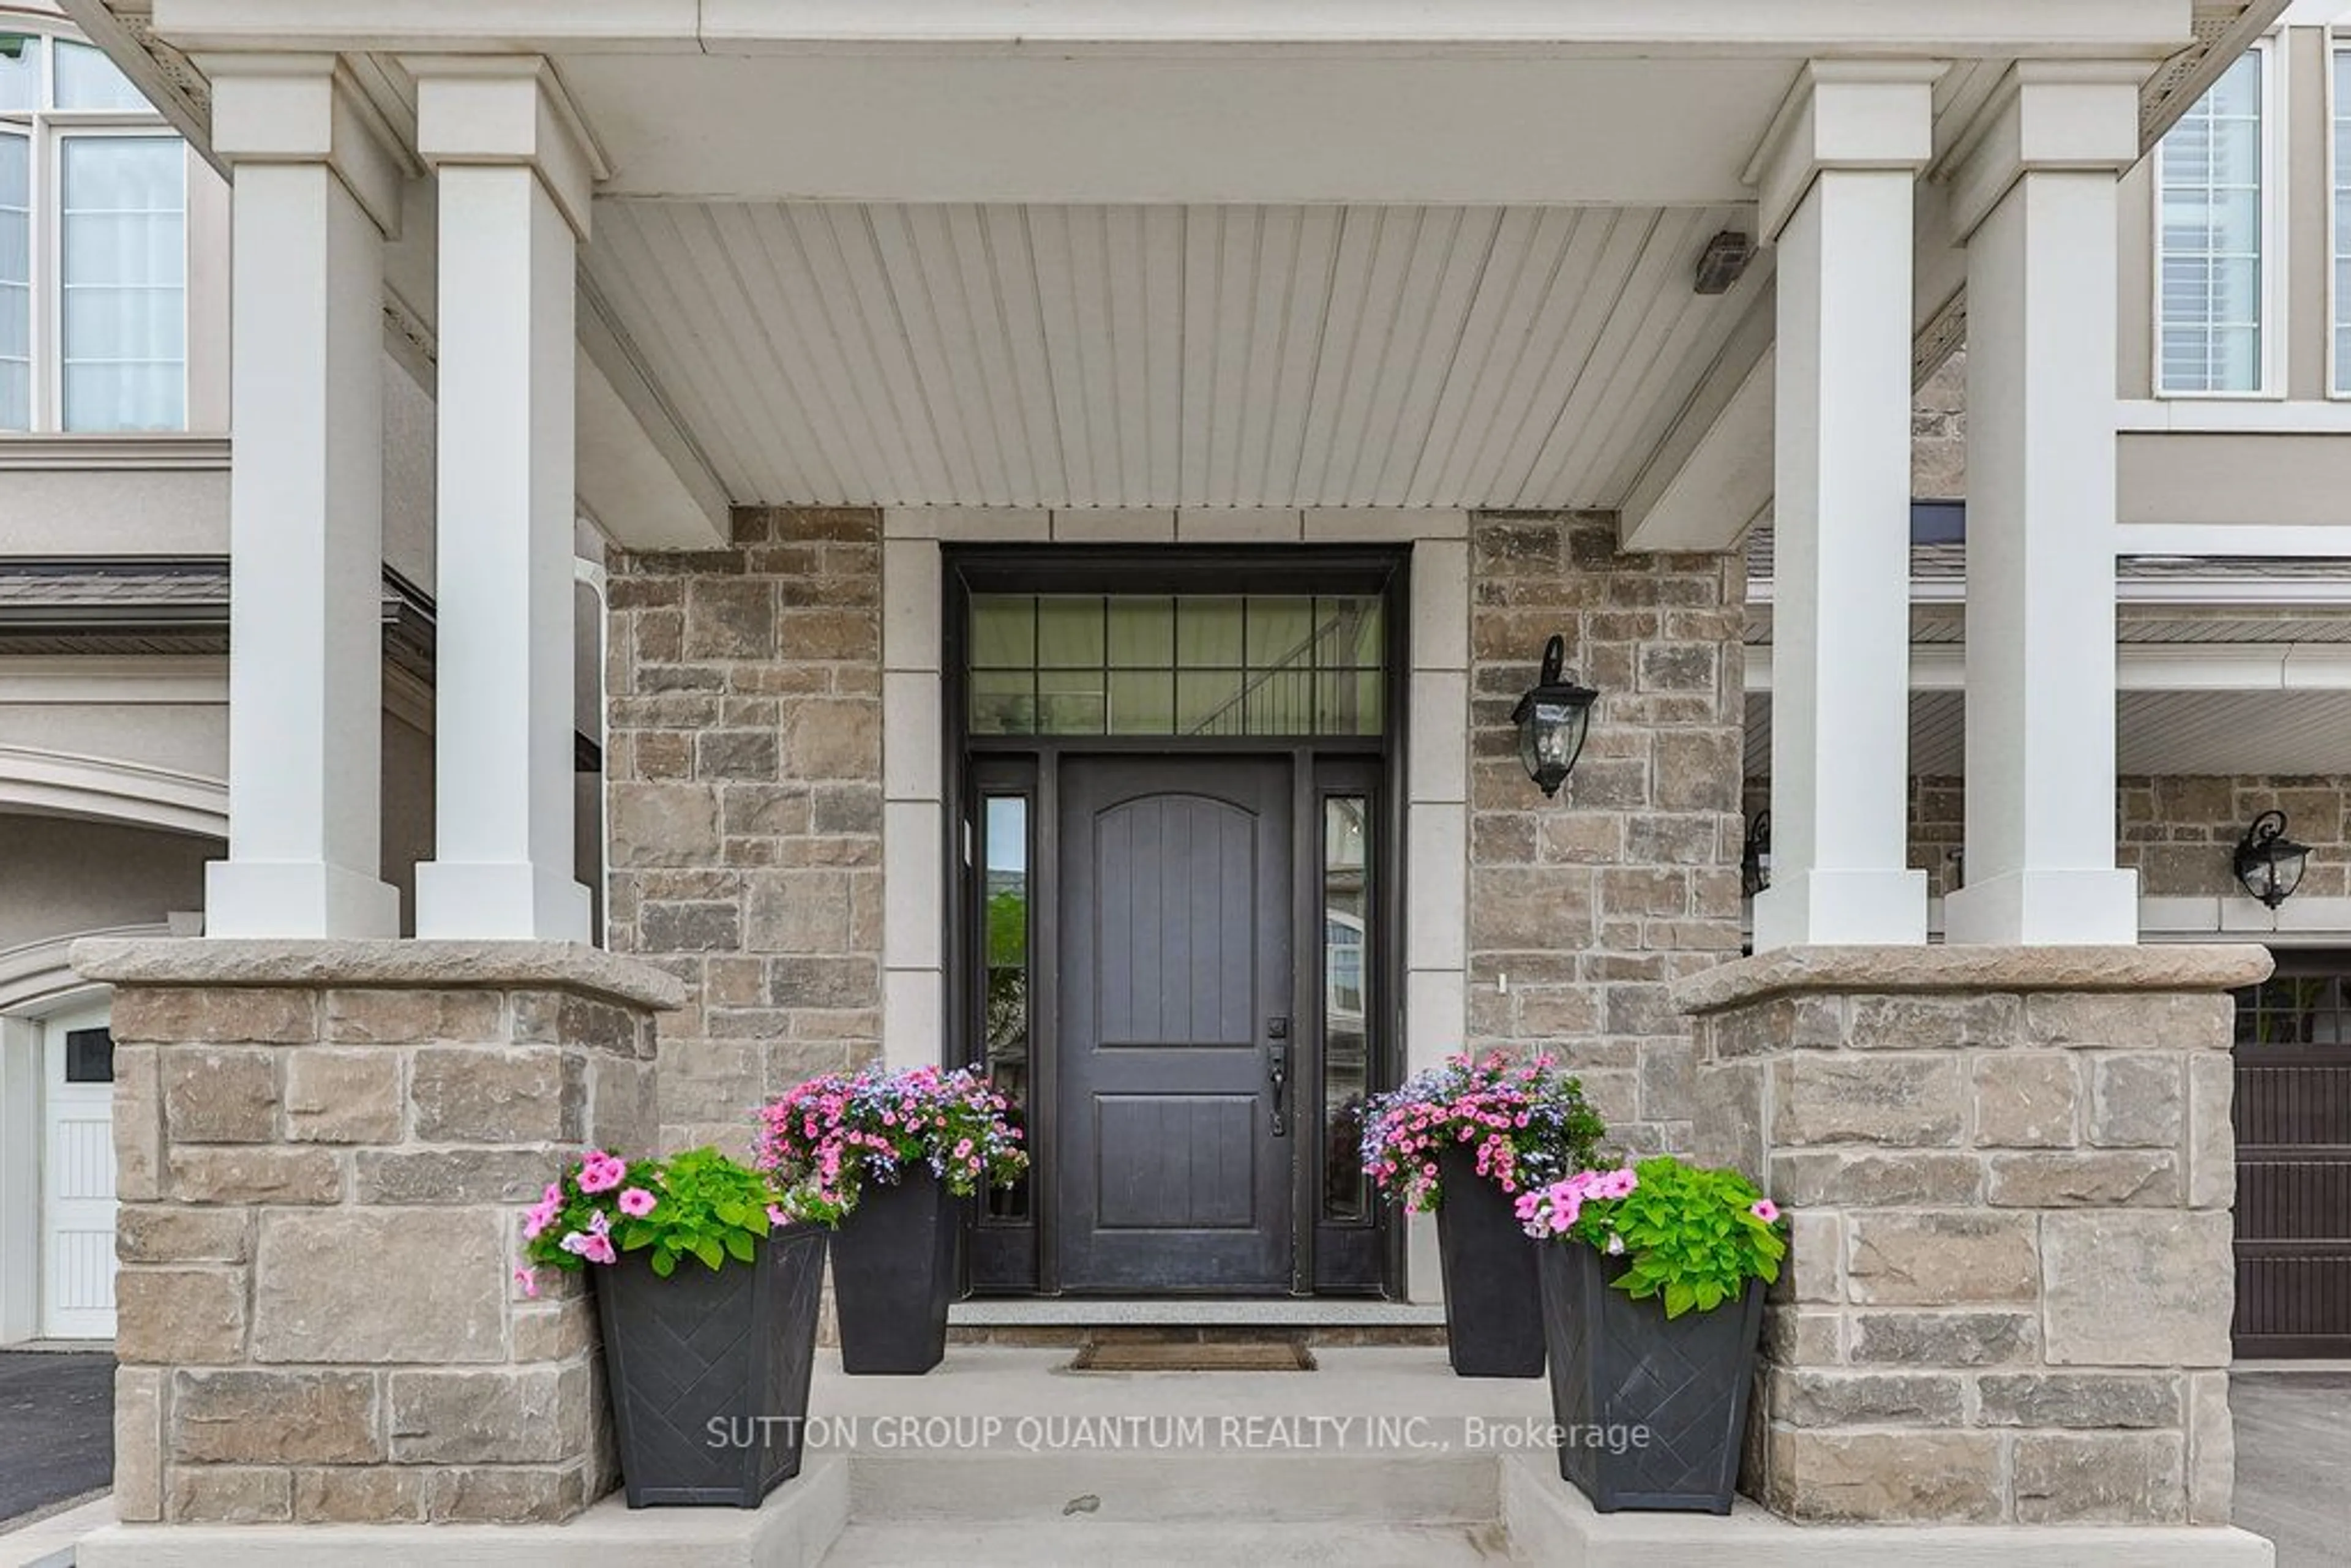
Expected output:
(846, 354)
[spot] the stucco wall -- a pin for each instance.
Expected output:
(1584, 908)
(59, 876)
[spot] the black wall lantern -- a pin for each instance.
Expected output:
(1755, 860)
(1552, 721)
(2269, 864)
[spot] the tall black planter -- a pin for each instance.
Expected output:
(1493, 1300)
(710, 1370)
(1619, 1366)
(894, 1272)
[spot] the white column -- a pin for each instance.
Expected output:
(514, 171)
(1838, 177)
(2036, 200)
(317, 189)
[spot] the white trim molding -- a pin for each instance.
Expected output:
(1764, 27)
(51, 453)
(130, 680)
(104, 790)
(38, 978)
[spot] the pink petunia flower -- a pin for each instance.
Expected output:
(599, 1250)
(1764, 1209)
(636, 1203)
(529, 1280)
(600, 1172)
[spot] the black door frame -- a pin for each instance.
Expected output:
(1018, 1255)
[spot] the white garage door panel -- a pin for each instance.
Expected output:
(77, 1193)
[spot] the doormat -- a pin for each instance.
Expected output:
(1218, 1355)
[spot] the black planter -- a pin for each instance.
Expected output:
(1493, 1300)
(894, 1272)
(709, 1371)
(1620, 1367)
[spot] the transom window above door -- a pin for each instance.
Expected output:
(1189, 664)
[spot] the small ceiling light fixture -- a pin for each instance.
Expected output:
(1723, 263)
(1553, 719)
(2269, 864)
(1755, 860)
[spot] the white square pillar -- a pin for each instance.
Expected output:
(318, 184)
(1838, 175)
(515, 169)
(2035, 198)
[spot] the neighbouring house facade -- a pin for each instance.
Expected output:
(1070, 502)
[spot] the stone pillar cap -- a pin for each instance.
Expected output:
(411, 965)
(2156, 967)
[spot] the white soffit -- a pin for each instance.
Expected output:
(870, 354)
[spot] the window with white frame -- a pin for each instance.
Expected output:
(93, 247)
(2341, 178)
(2212, 251)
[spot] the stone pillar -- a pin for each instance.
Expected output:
(321, 1150)
(2010, 1281)
(317, 189)
(1837, 176)
(515, 168)
(2036, 201)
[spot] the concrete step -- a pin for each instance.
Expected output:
(1367, 1487)
(1097, 1544)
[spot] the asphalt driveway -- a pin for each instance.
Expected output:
(56, 1427)
(2294, 1461)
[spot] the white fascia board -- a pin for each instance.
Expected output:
(2144, 667)
(2211, 593)
(506, 26)
(2150, 29)
(2233, 417)
(139, 679)
(641, 477)
(2305, 541)
(1783, 27)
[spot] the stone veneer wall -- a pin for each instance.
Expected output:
(2010, 1284)
(2175, 831)
(743, 765)
(322, 1152)
(1939, 434)
(1588, 906)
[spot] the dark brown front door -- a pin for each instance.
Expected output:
(1175, 983)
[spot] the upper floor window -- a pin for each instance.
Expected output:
(2342, 220)
(93, 247)
(2212, 251)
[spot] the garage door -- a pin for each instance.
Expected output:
(78, 1179)
(2293, 1159)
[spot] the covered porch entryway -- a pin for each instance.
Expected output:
(817, 314)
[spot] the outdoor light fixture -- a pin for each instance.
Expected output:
(1755, 860)
(1723, 263)
(1552, 721)
(2269, 864)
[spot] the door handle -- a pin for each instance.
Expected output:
(1277, 1071)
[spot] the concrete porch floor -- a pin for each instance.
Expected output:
(1382, 1457)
